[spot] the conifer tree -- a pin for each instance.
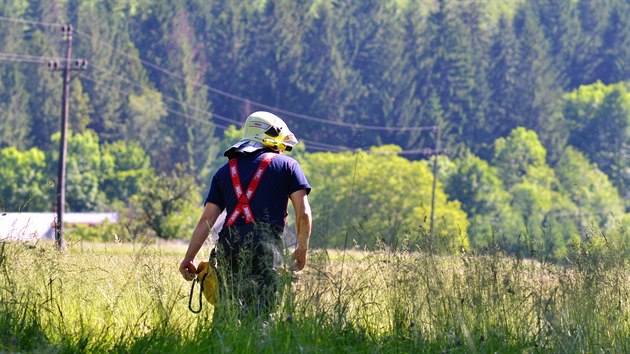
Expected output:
(475, 18)
(449, 72)
(187, 130)
(538, 90)
(504, 114)
(560, 24)
(44, 86)
(614, 50)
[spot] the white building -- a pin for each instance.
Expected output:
(35, 226)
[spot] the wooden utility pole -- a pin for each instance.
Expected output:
(436, 129)
(79, 64)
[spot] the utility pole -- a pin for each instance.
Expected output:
(79, 64)
(436, 129)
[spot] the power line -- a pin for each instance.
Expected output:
(311, 144)
(30, 22)
(221, 92)
(259, 104)
(187, 116)
(181, 114)
(168, 98)
(15, 60)
(315, 145)
(17, 57)
(321, 146)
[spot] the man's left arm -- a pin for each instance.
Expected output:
(299, 200)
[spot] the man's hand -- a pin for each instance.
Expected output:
(299, 259)
(188, 269)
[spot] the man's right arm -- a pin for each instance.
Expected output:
(210, 214)
(299, 200)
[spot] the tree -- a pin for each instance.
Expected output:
(590, 189)
(520, 157)
(475, 16)
(165, 204)
(504, 114)
(14, 127)
(24, 185)
(592, 16)
(147, 110)
(332, 86)
(537, 88)
(14, 122)
(614, 50)
(520, 160)
(484, 199)
(83, 169)
(44, 86)
(125, 170)
(560, 23)
(187, 131)
(600, 121)
(115, 72)
(448, 72)
(351, 210)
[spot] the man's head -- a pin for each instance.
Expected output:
(264, 130)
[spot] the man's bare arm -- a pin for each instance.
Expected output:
(210, 214)
(302, 208)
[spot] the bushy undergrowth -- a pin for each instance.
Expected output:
(130, 298)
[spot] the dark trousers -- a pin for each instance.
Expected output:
(247, 264)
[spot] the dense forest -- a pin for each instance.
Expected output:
(530, 99)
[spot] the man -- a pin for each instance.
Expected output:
(254, 188)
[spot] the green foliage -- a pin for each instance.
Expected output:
(521, 157)
(105, 232)
(24, 185)
(614, 48)
(165, 206)
(590, 189)
(344, 191)
(546, 212)
(84, 164)
(126, 168)
(538, 87)
(600, 117)
(484, 199)
(162, 73)
(147, 109)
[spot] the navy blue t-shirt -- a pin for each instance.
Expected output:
(269, 203)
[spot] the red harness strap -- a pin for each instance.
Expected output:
(243, 206)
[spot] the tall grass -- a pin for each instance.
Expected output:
(130, 298)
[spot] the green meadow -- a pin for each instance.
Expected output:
(129, 297)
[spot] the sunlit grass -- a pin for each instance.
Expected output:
(126, 297)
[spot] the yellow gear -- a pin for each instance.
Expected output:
(207, 277)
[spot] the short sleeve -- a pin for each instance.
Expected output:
(298, 180)
(214, 194)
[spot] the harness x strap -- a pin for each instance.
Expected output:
(243, 207)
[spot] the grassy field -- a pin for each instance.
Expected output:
(116, 297)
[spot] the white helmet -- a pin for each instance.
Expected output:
(263, 129)
(268, 129)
